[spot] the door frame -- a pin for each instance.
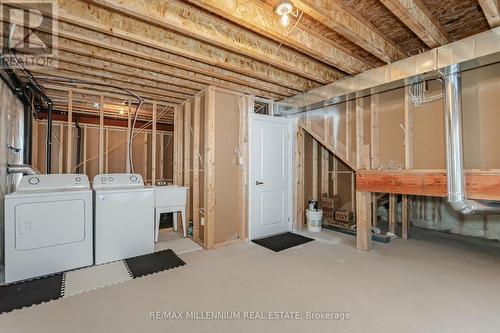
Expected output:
(251, 177)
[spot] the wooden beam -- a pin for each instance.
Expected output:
(491, 11)
(405, 218)
(155, 94)
(416, 16)
(187, 154)
(259, 16)
(246, 105)
(209, 204)
(69, 152)
(325, 156)
(151, 48)
(60, 154)
(172, 15)
(34, 142)
(480, 185)
(84, 150)
(299, 179)
(347, 23)
(348, 129)
(160, 66)
(196, 168)
(106, 150)
(153, 147)
(101, 136)
(392, 212)
(363, 221)
(374, 123)
(360, 133)
(408, 135)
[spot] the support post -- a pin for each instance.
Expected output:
(209, 169)
(69, 152)
(374, 110)
(101, 135)
(60, 167)
(299, 179)
(392, 212)
(363, 221)
(153, 146)
(196, 168)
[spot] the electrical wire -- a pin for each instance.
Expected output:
(119, 143)
(140, 102)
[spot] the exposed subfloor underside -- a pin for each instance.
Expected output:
(426, 284)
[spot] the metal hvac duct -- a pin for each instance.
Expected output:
(454, 148)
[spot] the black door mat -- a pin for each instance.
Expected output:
(282, 242)
(27, 293)
(153, 263)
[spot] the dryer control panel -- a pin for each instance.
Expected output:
(118, 181)
(53, 182)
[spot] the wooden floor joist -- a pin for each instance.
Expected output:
(338, 18)
(259, 16)
(190, 21)
(418, 18)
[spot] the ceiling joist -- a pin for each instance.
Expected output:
(491, 11)
(417, 17)
(150, 20)
(338, 18)
(258, 16)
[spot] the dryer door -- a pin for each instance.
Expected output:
(44, 224)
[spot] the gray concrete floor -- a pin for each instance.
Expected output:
(428, 284)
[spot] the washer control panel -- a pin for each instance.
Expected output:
(53, 182)
(118, 180)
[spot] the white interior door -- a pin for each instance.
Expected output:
(270, 176)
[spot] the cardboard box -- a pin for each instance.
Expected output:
(343, 216)
(329, 203)
(328, 215)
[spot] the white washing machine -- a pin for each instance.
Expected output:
(48, 226)
(124, 217)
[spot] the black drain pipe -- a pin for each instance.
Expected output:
(28, 129)
(78, 143)
(48, 155)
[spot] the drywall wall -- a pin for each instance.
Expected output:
(428, 130)
(227, 214)
(481, 101)
(391, 136)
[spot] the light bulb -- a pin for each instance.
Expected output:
(284, 20)
(121, 110)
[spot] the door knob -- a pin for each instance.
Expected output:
(258, 183)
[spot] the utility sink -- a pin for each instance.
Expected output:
(171, 195)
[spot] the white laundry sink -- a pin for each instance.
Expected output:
(171, 195)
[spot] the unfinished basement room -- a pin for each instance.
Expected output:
(250, 166)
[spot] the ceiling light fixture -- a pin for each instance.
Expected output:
(284, 20)
(284, 7)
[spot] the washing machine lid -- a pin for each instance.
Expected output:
(116, 181)
(53, 183)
